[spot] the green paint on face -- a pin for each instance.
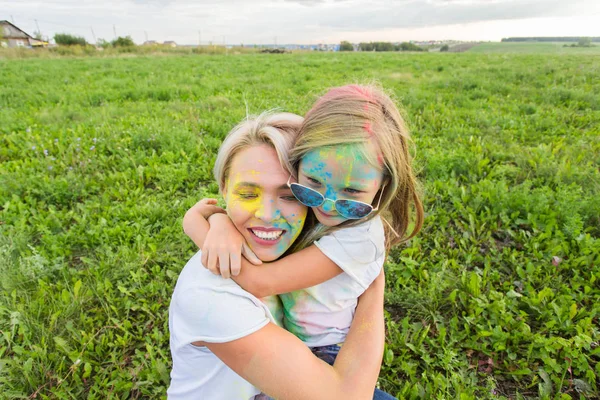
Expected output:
(339, 172)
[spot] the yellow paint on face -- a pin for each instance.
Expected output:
(244, 196)
(257, 197)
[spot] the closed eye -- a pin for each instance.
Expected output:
(353, 191)
(313, 180)
(248, 196)
(289, 198)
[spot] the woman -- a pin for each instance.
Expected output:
(219, 357)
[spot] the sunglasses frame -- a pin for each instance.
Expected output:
(335, 201)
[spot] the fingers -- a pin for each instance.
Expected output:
(249, 254)
(216, 209)
(236, 264)
(204, 257)
(208, 201)
(212, 263)
(224, 265)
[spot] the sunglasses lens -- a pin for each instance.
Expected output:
(353, 209)
(307, 196)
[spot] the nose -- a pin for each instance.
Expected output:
(268, 211)
(330, 198)
(328, 206)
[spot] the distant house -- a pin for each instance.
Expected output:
(150, 43)
(170, 43)
(11, 36)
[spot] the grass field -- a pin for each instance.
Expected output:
(534, 48)
(498, 296)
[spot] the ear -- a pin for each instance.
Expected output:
(224, 189)
(386, 180)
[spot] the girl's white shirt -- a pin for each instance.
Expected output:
(206, 307)
(321, 315)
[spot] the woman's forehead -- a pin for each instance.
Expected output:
(258, 165)
(256, 158)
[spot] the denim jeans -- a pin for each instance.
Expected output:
(329, 354)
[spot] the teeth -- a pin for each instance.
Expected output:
(273, 235)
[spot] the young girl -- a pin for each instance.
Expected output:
(353, 168)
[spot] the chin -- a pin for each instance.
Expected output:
(266, 256)
(333, 221)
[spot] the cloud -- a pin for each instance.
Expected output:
(410, 14)
(311, 3)
(261, 21)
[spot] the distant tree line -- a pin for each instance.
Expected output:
(381, 46)
(550, 39)
(66, 39)
(583, 42)
(346, 46)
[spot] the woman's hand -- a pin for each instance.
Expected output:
(223, 247)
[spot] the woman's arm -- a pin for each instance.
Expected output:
(282, 366)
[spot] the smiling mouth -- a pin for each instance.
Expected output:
(325, 214)
(267, 234)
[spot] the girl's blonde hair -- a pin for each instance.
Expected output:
(365, 115)
(278, 130)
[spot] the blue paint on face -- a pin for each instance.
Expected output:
(330, 198)
(330, 192)
(339, 172)
(268, 212)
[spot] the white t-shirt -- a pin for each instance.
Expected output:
(206, 307)
(322, 315)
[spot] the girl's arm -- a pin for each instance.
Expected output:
(282, 366)
(195, 220)
(222, 245)
(305, 268)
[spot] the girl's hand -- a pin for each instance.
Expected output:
(207, 207)
(223, 247)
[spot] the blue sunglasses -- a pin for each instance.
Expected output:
(349, 209)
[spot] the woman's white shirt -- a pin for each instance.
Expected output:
(321, 315)
(205, 307)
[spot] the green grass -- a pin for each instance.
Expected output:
(498, 296)
(534, 48)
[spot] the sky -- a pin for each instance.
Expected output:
(304, 21)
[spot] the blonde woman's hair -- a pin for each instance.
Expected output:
(278, 130)
(364, 115)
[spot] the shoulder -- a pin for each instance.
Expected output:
(358, 250)
(365, 241)
(195, 275)
(198, 287)
(209, 308)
